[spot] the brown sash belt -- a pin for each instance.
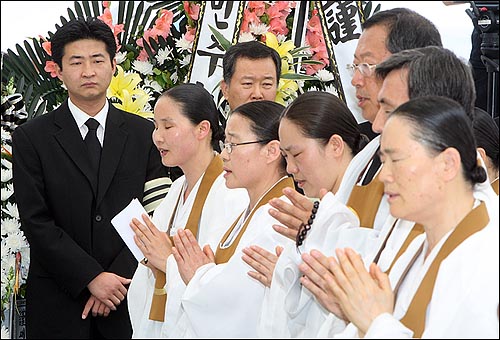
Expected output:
(158, 304)
(415, 316)
(365, 200)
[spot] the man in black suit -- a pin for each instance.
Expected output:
(72, 175)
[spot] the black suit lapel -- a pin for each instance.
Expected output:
(115, 138)
(71, 141)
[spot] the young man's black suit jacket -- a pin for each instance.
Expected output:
(66, 217)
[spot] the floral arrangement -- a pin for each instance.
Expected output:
(15, 248)
(271, 22)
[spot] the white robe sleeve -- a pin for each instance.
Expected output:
(223, 300)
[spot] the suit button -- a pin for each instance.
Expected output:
(98, 218)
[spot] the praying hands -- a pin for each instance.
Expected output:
(189, 255)
(346, 288)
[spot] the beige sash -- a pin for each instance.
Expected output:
(415, 316)
(494, 185)
(157, 311)
(365, 200)
(222, 255)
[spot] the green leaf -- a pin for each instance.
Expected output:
(312, 62)
(296, 76)
(226, 44)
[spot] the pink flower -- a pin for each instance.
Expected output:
(258, 7)
(161, 27)
(278, 26)
(190, 34)
(51, 67)
(107, 17)
(249, 17)
(314, 24)
(163, 23)
(46, 45)
(192, 10)
(316, 42)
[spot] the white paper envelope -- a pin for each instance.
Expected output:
(121, 222)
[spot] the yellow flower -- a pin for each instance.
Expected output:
(287, 89)
(283, 49)
(121, 82)
(124, 89)
(134, 103)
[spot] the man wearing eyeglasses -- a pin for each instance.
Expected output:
(384, 33)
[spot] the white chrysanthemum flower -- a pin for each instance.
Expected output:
(246, 36)
(324, 75)
(15, 241)
(5, 333)
(4, 280)
(281, 38)
(258, 29)
(313, 88)
(332, 89)
(152, 84)
(143, 67)
(164, 54)
(6, 175)
(5, 135)
(183, 45)
(7, 192)
(11, 210)
(10, 226)
(186, 60)
(174, 77)
(121, 57)
(6, 253)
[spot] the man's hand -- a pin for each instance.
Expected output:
(98, 308)
(109, 288)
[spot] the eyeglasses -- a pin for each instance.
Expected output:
(229, 146)
(365, 69)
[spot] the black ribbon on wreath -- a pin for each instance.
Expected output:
(13, 112)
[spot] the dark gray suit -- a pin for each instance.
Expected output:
(66, 216)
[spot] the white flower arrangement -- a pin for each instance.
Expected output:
(13, 239)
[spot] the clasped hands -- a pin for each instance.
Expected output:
(292, 217)
(157, 247)
(107, 292)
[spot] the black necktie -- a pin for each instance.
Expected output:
(93, 145)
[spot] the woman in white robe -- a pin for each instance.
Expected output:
(319, 137)
(221, 300)
(446, 284)
(186, 135)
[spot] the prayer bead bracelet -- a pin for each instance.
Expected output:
(303, 230)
